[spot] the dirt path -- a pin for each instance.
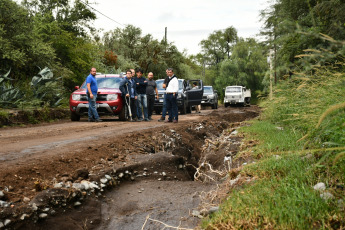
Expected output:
(160, 156)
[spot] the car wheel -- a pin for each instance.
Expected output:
(184, 108)
(75, 117)
(189, 109)
(122, 115)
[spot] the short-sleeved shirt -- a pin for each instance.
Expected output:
(151, 86)
(93, 84)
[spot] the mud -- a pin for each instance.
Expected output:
(158, 162)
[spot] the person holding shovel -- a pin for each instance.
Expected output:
(129, 95)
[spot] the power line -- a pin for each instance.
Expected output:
(102, 13)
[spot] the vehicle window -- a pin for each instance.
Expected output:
(208, 90)
(160, 84)
(110, 82)
(233, 90)
(180, 84)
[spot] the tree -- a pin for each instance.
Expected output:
(21, 48)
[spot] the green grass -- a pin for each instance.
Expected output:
(281, 194)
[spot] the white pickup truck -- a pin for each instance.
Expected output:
(237, 95)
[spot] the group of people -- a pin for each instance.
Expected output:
(138, 95)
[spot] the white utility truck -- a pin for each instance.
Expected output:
(235, 95)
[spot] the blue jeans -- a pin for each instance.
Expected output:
(142, 101)
(92, 111)
(171, 103)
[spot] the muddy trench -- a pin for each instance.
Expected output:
(159, 179)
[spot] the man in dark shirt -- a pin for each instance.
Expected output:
(151, 89)
(141, 83)
(129, 94)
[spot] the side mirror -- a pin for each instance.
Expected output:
(215, 91)
(76, 87)
(187, 88)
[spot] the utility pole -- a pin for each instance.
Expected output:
(166, 38)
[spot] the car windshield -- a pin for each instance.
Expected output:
(233, 90)
(208, 89)
(106, 82)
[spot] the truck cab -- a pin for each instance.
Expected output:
(237, 95)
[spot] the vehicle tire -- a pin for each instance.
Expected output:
(184, 108)
(189, 109)
(213, 106)
(122, 114)
(217, 105)
(226, 105)
(75, 117)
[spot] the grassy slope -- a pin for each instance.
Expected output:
(282, 194)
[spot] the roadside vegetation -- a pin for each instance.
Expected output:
(295, 176)
(300, 143)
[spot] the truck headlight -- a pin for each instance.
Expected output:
(210, 96)
(111, 97)
(76, 97)
(179, 95)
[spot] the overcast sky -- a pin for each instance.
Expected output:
(188, 21)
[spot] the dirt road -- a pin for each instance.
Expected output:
(160, 156)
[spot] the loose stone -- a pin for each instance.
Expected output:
(320, 186)
(43, 215)
(7, 222)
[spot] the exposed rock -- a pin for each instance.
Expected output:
(43, 215)
(7, 222)
(2, 195)
(213, 210)
(1, 224)
(320, 186)
(197, 214)
(77, 204)
(104, 181)
(326, 195)
(108, 177)
(23, 216)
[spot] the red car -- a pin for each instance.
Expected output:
(109, 100)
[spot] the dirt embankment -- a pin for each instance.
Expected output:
(42, 175)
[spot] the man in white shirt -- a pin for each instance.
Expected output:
(171, 96)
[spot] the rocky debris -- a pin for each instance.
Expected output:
(43, 215)
(320, 186)
(2, 195)
(326, 195)
(196, 213)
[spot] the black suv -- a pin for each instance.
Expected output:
(210, 97)
(186, 98)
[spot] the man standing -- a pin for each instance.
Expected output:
(91, 91)
(141, 83)
(151, 89)
(129, 94)
(171, 96)
(164, 109)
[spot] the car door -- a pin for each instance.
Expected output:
(194, 95)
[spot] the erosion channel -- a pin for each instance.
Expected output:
(142, 176)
